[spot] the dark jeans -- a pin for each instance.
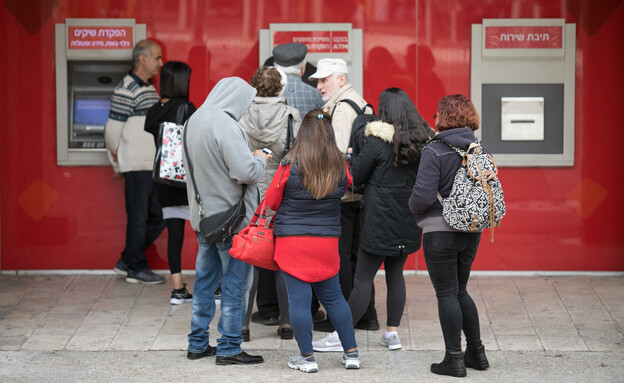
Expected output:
(367, 267)
(348, 247)
(449, 256)
(144, 218)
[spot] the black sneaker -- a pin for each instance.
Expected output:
(180, 296)
(260, 319)
(285, 332)
(146, 277)
(121, 268)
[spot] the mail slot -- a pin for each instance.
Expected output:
(522, 118)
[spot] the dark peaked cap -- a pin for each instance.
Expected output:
(289, 54)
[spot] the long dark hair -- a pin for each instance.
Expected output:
(316, 155)
(175, 77)
(411, 131)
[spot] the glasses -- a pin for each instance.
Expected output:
(435, 116)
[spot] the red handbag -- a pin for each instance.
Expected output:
(255, 244)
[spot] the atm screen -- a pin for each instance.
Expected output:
(91, 111)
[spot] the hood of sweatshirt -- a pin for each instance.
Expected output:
(231, 95)
(459, 137)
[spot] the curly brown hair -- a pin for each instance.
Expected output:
(456, 111)
(267, 80)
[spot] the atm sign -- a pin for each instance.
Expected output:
(316, 41)
(99, 37)
(542, 37)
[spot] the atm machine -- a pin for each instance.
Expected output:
(522, 85)
(92, 56)
(324, 40)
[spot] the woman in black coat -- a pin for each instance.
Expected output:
(386, 167)
(174, 89)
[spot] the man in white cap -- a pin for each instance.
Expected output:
(334, 86)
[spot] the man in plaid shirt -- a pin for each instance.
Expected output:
(291, 59)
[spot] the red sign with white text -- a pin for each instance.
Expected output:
(99, 37)
(524, 37)
(316, 41)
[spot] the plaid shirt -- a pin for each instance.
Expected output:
(302, 96)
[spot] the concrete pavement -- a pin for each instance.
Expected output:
(98, 328)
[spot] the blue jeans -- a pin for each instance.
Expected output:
(214, 263)
(449, 256)
(144, 218)
(330, 295)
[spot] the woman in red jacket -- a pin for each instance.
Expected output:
(305, 193)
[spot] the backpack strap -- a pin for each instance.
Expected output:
(355, 107)
(290, 136)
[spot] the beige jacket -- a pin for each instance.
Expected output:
(343, 116)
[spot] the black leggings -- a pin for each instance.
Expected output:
(175, 228)
(367, 266)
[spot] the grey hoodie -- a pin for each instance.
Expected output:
(218, 149)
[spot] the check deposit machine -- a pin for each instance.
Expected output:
(92, 56)
(324, 40)
(522, 84)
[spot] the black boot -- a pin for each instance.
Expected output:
(453, 365)
(475, 358)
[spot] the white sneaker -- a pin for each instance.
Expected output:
(391, 340)
(350, 362)
(331, 343)
(300, 363)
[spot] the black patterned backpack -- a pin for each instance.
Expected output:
(476, 200)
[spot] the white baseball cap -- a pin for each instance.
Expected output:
(327, 67)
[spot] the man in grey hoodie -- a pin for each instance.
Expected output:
(218, 149)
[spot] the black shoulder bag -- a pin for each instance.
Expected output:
(217, 227)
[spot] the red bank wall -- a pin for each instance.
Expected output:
(73, 217)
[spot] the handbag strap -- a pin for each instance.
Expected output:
(189, 164)
(260, 216)
(181, 114)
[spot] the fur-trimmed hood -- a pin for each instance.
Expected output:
(381, 130)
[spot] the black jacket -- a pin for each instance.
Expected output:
(387, 226)
(438, 165)
(158, 113)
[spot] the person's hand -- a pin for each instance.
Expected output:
(259, 152)
(348, 155)
(114, 155)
